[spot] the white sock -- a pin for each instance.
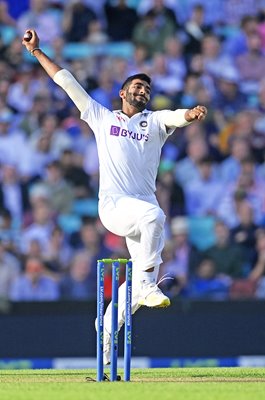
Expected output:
(150, 277)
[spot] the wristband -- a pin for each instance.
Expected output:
(32, 51)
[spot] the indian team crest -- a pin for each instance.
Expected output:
(143, 124)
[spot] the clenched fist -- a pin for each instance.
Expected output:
(198, 112)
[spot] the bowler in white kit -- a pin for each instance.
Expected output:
(129, 143)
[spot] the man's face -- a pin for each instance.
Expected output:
(137, 94)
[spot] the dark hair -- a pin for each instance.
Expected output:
(54, 163)
(206, 160)
(142, 77)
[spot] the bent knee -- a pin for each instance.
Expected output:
(154, 216)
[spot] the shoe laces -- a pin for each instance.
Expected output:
(164, 278)
(154, 286)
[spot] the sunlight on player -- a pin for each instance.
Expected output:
(129, 145)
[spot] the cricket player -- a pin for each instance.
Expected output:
(129, 143)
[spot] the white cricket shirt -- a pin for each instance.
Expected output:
(129, 149)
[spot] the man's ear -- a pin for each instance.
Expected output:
(122, 94)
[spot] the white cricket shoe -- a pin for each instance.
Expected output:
(152, 296)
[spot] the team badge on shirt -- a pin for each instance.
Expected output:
(143, 124)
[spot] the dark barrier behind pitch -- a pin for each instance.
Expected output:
(186, 329)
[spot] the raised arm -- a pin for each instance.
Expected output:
(182, 117)
(60, 76)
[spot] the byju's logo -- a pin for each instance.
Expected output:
(117, 131)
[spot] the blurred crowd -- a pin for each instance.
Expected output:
(211, 180)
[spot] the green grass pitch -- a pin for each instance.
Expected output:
(146, 384)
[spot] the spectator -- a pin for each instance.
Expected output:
(226, 255)
(40, 228)
(59, 253)
(197, 203)
(9, 271)
(9, 232)
(204, 94)
(58, 46)
(207, 284)
(261, 27)
(34, 284)
(34, 249)
(139, 62)
(149, 33)
(170, 194)
(181, 257)
(41, 106)
(230, 168)
(12, 141)
(7, 74)
(89, 238)
(236, 44)
(5, 18)
(175, 59)
(251, 65)
(96, 34)
(14, 194)
(41, 152)
(75, 175)
(13, 54)
(76, 19)
(25, 87)
(257, 273)
(213, 55)
(144, 6)
(249, 187)
(261, 168)
(236, 11)
(86, 71)
(121, 20)
(106, 90)
(173, 278)
(85, 149)
(55, 135)
(242, 126)
(213, 11)
(164, 81)
(195, 30)
(229, 100)
(40, 17)
(119, 67)
(191, 85)
(244, 234)
(79, 283)
(60, 191)
(96, 6)
(187, 169)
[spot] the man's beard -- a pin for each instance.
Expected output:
(139, 104)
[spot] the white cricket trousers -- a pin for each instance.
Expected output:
(141, 221)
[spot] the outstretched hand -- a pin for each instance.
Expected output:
(33, 43)
(197, 113)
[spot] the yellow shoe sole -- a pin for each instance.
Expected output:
(165, 303)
